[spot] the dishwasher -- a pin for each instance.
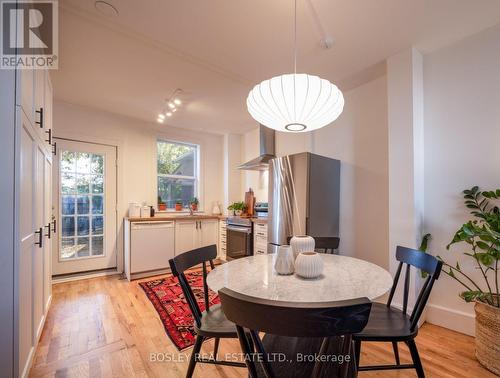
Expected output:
(151, 246)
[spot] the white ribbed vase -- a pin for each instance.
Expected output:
(308, 265)
(302, 243)
(284, 263)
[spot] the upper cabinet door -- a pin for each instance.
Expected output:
(40, 116)
(26, 91)
(209, 232)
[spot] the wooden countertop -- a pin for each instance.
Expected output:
(163, 218)
(261, 219)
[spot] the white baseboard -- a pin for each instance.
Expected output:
(84, 276)
(452, 319)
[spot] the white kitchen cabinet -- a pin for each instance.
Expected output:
(209, 232)
(27, 239)
(32, 270)
(221, 254)
(192, 234)
(186, 236)
(260, 237)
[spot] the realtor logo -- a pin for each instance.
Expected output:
(29, 34)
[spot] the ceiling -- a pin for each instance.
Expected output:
(217, 50)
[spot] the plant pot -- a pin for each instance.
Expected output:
(178, 207)
(302, 243)
(238, 212)
(162, 206)
(488, 336)
(194, 206)
(308, 265)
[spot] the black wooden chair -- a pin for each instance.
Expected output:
(210, 323)
(327, 244)
(324, 244)
(388, 324)
(293, 330)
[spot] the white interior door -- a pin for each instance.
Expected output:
(85, 206)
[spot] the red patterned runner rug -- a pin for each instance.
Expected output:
(168, 299)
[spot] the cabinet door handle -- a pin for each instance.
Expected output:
(49, 229)
(196, 224)
(54, 223)
(40, 237)
(54, 148)
(260, 233)
(49, 132)
(200, 225)
(40, 122)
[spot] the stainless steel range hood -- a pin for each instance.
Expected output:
(261, 163)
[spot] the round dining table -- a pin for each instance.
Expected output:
(343, 278)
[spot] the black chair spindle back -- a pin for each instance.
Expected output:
(420, 260)
(179, 264)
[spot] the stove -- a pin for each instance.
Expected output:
(239, 237)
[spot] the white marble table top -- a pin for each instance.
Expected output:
(343, 278)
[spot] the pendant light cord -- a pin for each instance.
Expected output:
(295, 39)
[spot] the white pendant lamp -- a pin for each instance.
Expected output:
(295, 102)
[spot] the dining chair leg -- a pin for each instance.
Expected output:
(346, 350)
(216, 347)
(416, 358)
(396, 351)
(357, 351)
(194, 353)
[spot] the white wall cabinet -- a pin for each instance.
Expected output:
(32, 270)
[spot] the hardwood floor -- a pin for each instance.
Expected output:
(106, 327)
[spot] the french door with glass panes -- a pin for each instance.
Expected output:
(85, 204)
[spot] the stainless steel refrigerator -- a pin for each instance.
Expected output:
(304, 197)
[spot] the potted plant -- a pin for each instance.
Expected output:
(237, 207)
(178, 205)
(194, 203)
(481, 235)
(162, 206)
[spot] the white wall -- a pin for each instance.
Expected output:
(359, 139)
(406, 179)
(462, 134)
(136, 142)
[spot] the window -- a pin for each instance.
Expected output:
(177, 169)
(81, 205)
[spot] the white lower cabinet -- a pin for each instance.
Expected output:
(186, 236)
(260, 237)
(150, 244)
(192, 234)
(209, 232)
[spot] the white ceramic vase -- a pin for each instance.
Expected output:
(308, 265)
(284, 263)
(302, 243)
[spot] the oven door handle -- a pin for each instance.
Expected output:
(239, 229)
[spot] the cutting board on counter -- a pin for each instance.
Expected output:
(250, 201)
